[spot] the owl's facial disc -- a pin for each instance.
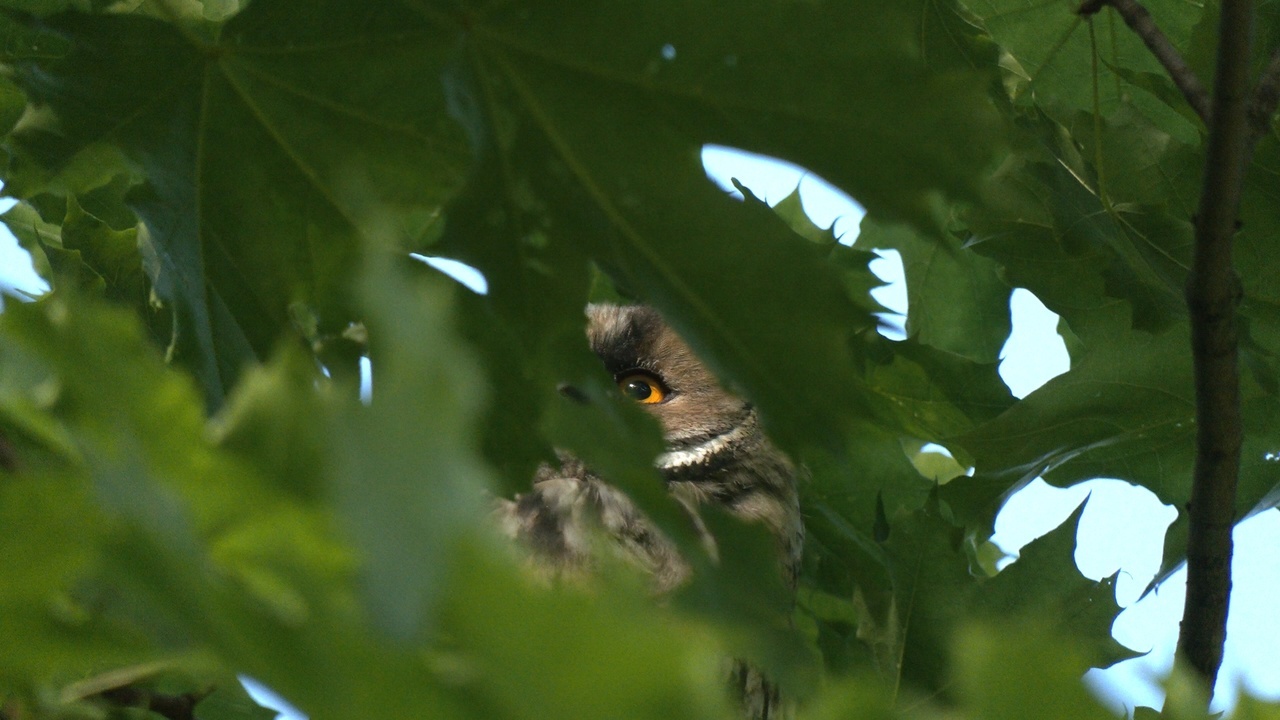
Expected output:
(655, 368)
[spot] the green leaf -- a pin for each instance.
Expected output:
(230, 702)
(1045, 583)
(1053, 51)
(937, 395)
(861, 697)
(408, 478)
(729, 79)
(111, 254)
(273, 422)
(1251, 708)
(677, 263)
(33, 234)
(202, 554)
(935, 595)
(223, 199)
(252, 148)
(50, 540)
(521, 652)
(12, 104)
(1065, 236)
(855, 263)
(956, 299)
(554, 106)
(1038, 668)
(1124, 410)
(1125, 407)
(931, 580)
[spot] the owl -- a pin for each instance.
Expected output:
(716, 455)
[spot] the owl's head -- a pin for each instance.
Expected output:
(716, 452)
(656, 369)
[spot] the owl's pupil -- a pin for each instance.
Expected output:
(638, 390)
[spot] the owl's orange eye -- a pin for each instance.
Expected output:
(642, 387)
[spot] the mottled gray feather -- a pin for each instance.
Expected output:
(716, 455)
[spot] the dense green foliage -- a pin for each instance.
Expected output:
(223, 200)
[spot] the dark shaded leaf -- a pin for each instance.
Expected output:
(1044, 582)
(956, 299)
(254, 150)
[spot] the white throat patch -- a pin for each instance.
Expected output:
(700, 453)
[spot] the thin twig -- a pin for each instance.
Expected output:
(1266, 97)
(1144, 26)
(1213, 294)
(8, 458)
(171, 707)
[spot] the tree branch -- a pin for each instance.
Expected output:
(171, 707)
(1144, 26)
(8, 458)
(1213, 293)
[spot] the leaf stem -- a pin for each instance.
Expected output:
(171, 707)
(1098, 164)
(1213, 294)
(1144, 26)
(8, 458)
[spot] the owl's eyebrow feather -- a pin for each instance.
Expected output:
(627, 345)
